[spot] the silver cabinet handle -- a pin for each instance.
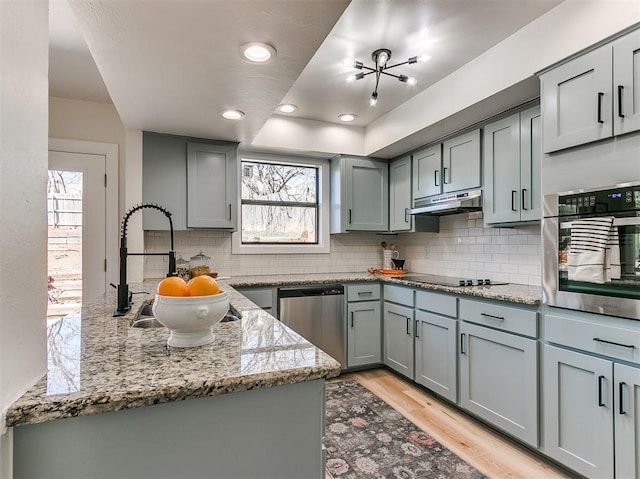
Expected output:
(462, 351)
(417, 324)
(436, 173)
(406, 213)
(229, 211)
(365, 293)
(408, 321)
(352, 319)
(524, 198)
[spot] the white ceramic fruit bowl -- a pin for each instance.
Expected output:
(190, 318)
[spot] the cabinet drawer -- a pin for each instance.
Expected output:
(613, 337)
(363, 292)
(398, 294)
(261, 297)
(506, 318)
(437, 303)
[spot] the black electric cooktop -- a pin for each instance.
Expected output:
(449, 280)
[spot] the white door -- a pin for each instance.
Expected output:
(93, 223)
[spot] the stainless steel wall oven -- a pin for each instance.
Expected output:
(591, 247)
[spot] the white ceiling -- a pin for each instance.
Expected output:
(173, 65)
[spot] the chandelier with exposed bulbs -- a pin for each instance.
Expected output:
(380, 59)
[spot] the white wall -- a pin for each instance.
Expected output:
(89, 121)
(24, 66)
(570, 27)
(463, 248)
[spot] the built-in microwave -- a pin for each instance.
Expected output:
(591, 248)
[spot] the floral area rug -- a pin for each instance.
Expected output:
(367, 438)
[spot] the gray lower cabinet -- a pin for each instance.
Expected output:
(265, 298)
(364, 325)
(591, 387)
(578, 420)
(498, 364)
(364, 330)
(435, 353)
(398, 338)
(627, 420)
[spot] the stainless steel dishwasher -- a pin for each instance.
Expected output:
(317, 314)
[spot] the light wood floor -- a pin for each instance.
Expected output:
(491, 453)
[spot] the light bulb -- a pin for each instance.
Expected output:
(374, 99)
(383, 57)
(411, 81)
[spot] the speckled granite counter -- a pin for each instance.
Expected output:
(513, 293)
(97, 363)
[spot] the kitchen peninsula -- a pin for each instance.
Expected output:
(234, 408)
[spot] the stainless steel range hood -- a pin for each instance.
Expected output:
(448, 204)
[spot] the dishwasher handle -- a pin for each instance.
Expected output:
(305, 291)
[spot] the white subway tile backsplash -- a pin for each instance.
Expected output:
(462, 248)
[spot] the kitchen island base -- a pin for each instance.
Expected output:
(262, 433)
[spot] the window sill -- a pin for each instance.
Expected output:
(238, 248)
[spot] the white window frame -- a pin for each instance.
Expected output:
(323, 246)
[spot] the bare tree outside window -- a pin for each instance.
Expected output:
(279, 203)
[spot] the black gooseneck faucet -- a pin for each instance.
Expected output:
(124, 296)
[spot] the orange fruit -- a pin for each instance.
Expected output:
(172, 286)
(203, 286)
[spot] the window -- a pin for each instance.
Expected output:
(279, 203)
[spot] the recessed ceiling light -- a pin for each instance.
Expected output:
(232, 114)
(346, 117)
(287, 108)
(257, 52)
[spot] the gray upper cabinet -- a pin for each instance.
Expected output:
(581, 103)
(427, 168)
(400, 194)
(196, 182)
(164, 180)
(453, 165)
(359, 194)
(626, 83)
(461, 162)
(576, 101)
(512, 156)
(212, 189)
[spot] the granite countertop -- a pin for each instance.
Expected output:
(98, 363)
(513, 293)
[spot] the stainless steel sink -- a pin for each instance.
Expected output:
(145, 318)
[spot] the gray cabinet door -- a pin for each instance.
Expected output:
(400, 194)
(398, 338)
(164, 180)
(427, 172)
(576, 101)
(626, 83)
(502, 199)
(461, 162)
(578, 422)
(364, 330)
(211, 186)
(530, 162)
(498, 374)
(626, 407)
(435, 354)
(367, 195)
